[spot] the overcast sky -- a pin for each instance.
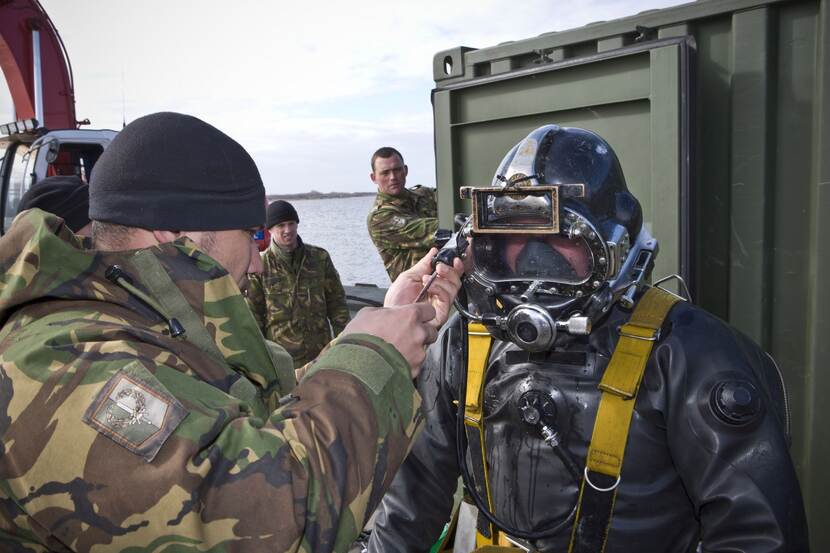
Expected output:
(311, 89)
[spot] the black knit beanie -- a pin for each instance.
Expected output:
(168, 171)
(280, 211)
(67, 197)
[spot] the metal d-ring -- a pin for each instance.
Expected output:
(614, 485)
(683, 286)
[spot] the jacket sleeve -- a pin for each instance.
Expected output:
(419, 503)
(392, 228)
(337, 310)
(256, 300)
(725, 437)
(303, 479)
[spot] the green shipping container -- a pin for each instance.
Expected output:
(719, 111)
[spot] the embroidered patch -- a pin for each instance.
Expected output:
(135, 411)
(397, 221)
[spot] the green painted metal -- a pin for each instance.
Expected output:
(720, 113)
(631, 99)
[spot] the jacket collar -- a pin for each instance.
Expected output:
(286, 255)
(42, 261)
(404, 198)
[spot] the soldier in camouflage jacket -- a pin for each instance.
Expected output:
(140, 407)
(402, 222)
(297, 300)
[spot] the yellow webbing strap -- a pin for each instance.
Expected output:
(478, 351)
(619, 387)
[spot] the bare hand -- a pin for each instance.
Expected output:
(407, 327)
(440, 295)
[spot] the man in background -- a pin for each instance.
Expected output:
(402, 222)
(67, 197)
(297, 300)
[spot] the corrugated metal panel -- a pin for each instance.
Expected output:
(759, 188)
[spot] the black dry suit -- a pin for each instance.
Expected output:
(707, 458)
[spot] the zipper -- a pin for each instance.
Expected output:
(784, 393)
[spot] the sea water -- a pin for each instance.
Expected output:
(339, 226)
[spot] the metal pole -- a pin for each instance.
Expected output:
(37, 77)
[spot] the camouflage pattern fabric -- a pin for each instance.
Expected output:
(116, 436)
(403, 227)
(296, 297)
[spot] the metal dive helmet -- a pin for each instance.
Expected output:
(557, 238)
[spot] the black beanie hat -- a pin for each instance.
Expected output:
(280, 211)
(67, 197)
(169, 171)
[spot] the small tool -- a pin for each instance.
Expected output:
(455, 246)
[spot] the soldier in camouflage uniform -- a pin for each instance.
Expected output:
(403, 221)
(139, 404)
(297, 300)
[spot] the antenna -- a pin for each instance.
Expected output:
(123, 102)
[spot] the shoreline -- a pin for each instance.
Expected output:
(314, 195)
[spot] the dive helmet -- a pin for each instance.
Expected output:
(557, 238)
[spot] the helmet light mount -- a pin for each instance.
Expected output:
(518, 208)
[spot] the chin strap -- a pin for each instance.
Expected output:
(619, 387)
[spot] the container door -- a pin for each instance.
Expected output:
(14, 182)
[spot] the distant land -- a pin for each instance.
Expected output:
(314, 195)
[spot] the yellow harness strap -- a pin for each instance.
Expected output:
(478, 352)
(619, 387)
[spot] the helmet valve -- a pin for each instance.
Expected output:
(532, 328)
(577, 324)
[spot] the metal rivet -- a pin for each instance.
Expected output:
(602, 261)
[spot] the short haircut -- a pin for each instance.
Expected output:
(111, 236)
(385, 152)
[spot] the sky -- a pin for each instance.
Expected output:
(310, 89)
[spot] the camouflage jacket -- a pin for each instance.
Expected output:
(403, 227)
(295, 299)
(117, 436)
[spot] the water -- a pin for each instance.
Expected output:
(339, 226)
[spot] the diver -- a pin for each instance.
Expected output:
(587, 410)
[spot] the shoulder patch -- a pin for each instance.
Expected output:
(135, 411)
(397, 221)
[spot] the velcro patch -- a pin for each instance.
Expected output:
(135, 411)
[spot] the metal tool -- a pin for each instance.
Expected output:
(455, 246)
